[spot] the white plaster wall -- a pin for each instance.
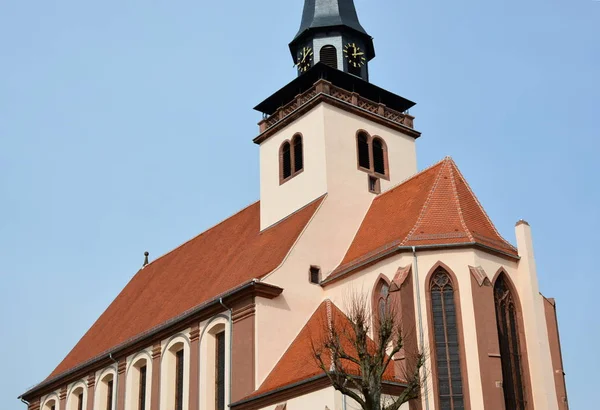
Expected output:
(316, 400)
(328, 235)
(279, 201)
(534, 318)
(342, 172)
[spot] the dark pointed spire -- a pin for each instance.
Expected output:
(330, 32)
(146, 254)
(329, 13)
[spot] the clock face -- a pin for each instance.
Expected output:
(305, 58)
(355, 56)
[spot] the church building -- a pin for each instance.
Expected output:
(226, 319)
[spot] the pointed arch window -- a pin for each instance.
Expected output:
(445, 332)
(328, 55)
(380, 302)
(291, 158)
(372, 155)
(508, 337)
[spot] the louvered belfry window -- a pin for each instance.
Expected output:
(220, 372)
(447, 355)
(510, 354)
(291, 161)
(179, 380)
(329, 56)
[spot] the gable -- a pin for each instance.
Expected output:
(231, 253)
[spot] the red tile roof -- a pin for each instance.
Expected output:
(225, 256)
(298, 363)
(434, 207)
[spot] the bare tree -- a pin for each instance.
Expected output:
(357, 365)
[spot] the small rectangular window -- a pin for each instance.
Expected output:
(179, 381)
(315, 275)
(109, 395)
(374, 185)
(80, 401)
(53, 407)
(142, 398)
(220, 372)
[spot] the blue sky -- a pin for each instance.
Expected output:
(127, 126)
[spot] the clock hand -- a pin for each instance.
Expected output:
(357, 54)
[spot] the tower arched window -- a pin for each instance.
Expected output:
(372, 155)
(510, 353)
(446, 341)
(328, 55)
(291, 158)
(378, 156)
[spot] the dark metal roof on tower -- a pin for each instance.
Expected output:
(322, 16)
(329, 13)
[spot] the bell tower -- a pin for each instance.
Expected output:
(330, 131)
(331, 33)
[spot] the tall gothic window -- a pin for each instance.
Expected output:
(291, 158)
(220, 372)
(447, 355)
(508, 335)
(328, 56)
(372, 154)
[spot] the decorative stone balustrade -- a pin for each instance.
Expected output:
(323, 87)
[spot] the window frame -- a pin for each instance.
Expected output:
(371, 170)
(220, 370)
(521, 343)
(292, 143)
(316, 270)
(334, 54)
(460, 335)
(179, 378)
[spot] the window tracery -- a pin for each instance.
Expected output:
(445, 331)
(508, 337)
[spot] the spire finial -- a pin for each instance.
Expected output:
(146, 254)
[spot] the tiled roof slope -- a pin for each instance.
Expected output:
(434, 207)
(298, 363)
(223, 257)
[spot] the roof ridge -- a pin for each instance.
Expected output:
(411, 177)
(203, 232)
(487, 217)
(458, 204)
(427, 201)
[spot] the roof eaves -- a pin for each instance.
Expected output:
(262, 289)
(388, 250)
